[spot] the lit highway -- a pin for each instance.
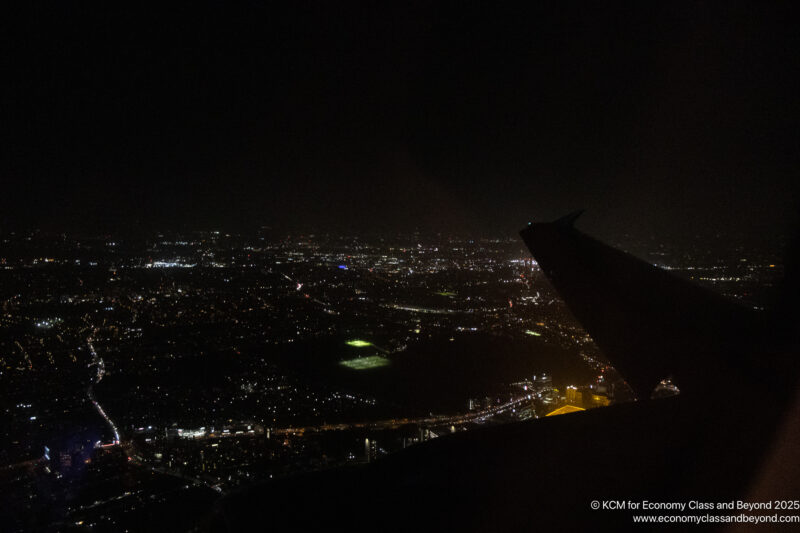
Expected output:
(97, 361)
(393, 423)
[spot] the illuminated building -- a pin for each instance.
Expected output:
(574, 396)
(370, 450)
(598, 400)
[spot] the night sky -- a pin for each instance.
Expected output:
(662, 118)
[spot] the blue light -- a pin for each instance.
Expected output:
(343, 267)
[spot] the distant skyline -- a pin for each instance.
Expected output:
(658, 119)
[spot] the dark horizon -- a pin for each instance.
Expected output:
(668, 120)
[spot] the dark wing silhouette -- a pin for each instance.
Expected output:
(648, 322)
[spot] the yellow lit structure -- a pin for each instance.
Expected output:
(565, 410)
(574, 397)
(600, 401)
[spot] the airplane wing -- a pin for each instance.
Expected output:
(650, 323)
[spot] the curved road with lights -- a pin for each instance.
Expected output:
(101, 369)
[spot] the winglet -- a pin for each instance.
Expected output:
(568, 221)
